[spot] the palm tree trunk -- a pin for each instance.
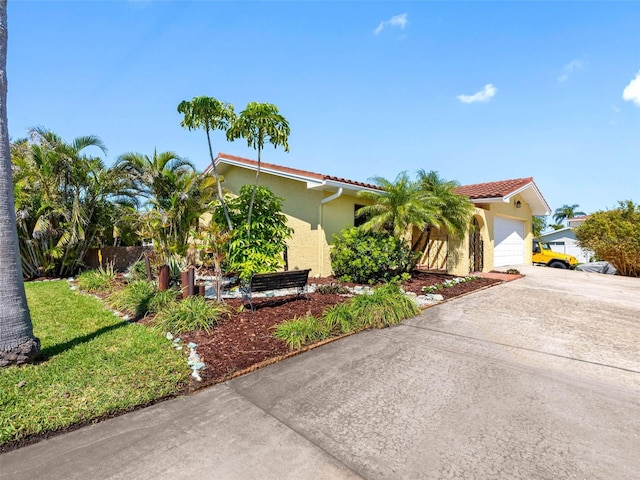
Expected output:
(219, 185)
(17, 343)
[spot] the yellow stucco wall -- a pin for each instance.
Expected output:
(313, 223)
(485, 215)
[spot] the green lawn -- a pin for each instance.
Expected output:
(93, 364)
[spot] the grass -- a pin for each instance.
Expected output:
(189, 315)
(94, 364)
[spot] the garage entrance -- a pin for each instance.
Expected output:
(508, 241)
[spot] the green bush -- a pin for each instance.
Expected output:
(301, 331)
(134, 297)
(369, 257)
(332, 289)
(161, 300)
(190, 315)
(614, 236)
(340, 319)
(137, 271)
(97, 281)
(386, 306)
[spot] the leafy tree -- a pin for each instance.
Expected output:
(397, 208)
(452, 211)
(363, 256)
(261, 249)
(17, 342)
(539, 223)
(566, 212)
(259, 123)
(614, 236)
(210, 114)
(66, 201)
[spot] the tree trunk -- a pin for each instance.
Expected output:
(253, 194)
(218, 184)
(17, 343)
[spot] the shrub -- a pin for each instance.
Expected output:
(161, 300)
(135, 297)
(137, 271)
(368, 257)
(97, 281)
(386, 306)
(190, 315)
(614, 236)
(340, 319)
(301, 331)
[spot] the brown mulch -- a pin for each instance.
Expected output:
(244, 339)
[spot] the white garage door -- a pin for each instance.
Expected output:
(508, 241)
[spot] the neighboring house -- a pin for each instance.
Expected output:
(564, 240)
(319, 206)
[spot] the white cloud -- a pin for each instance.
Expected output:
(484, 95)
(631, 92)
(395, 21)
(569, 68)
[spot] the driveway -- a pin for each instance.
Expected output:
(537, 378)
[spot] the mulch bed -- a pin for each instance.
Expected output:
(244, 339)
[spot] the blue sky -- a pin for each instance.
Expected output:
(478, 91)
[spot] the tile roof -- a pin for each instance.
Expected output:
(498, 189)
(253, 164)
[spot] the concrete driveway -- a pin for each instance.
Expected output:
(537, 378)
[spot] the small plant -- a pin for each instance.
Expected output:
(137, 271)
(135, 297)
(190, 315)
(513, 271)
(161, 300)
(332, 289)
(386, 306)
(340, 319)
(97, 281)
(301, 331)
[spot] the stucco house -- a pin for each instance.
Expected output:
(564, 240)
(319, 206)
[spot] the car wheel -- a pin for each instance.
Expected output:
(557, 264)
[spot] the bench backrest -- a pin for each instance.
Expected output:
(261, 282)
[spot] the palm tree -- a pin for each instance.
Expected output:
(17, 342)
(176, 195)
(453, 211)
(566, 212)
(258, 123)
(397, 208)
(64, 200)
(210, 114)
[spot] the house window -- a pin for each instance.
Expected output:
(357, 221)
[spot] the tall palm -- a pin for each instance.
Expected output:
(565, 212)
(257, 124)
(210, 114)
(397, 208)
(453, 211)
(17, 342)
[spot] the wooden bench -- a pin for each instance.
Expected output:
(262, 282)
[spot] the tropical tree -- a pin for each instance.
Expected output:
(451, 211)
(176, 196)
(65, 201)
(566, 212)
(17, 342)
(539, 223)
(259, 123)
(397, 208)
(210, 114)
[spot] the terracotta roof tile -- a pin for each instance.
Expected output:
(294, 171)
(498, 189)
